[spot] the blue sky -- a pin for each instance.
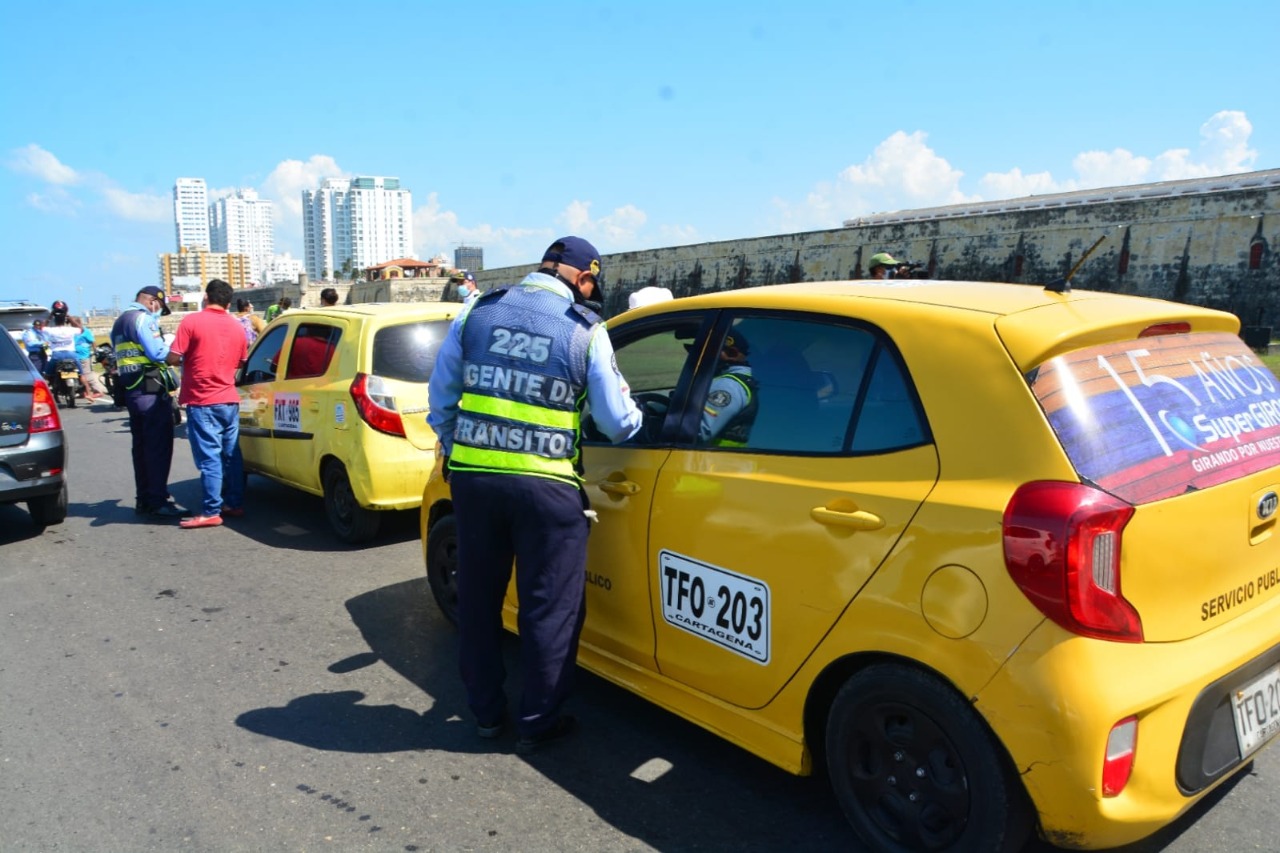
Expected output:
(636, 125)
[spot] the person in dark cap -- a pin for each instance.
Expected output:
(148, 385)
(882, 265)
(527, 357)
(732, 401)
(466, 283)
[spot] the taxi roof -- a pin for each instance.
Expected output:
(1034, 323)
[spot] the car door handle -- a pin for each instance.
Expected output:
(847, 517)
(619, 487)
(315, 406)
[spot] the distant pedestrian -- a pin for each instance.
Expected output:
(882, 266)
(283, 305)
(250, 322)
(210, 345)
(466, 283)
(93, 389)
(328, 297)
(148, 391)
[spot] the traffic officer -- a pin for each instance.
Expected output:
(148, 386)
(732, 401)
(506, 398)
(37, 345)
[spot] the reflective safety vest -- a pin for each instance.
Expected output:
(132, 363)
(738, 430)
(524, 380)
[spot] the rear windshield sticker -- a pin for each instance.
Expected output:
(1156, 417)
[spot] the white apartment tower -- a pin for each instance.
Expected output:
(242, 224)
(364, 220)
(191, 213)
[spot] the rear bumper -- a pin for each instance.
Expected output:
(1055, 702)
(35, 469)
(388, 472)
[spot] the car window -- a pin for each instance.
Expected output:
(816, 387)
(12, 358)
(262, 363)
(312, 350)
(1156, 417)
(408, 351)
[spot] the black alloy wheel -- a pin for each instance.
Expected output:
(916, 770)
(442, 566)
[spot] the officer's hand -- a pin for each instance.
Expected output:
(444, 469)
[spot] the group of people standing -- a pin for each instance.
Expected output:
(210, 345)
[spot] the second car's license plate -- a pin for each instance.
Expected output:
(1257, 709)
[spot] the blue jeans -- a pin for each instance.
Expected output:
(214, 433)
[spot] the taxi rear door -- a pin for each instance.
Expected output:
(304, 399)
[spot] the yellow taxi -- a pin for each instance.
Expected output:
(998, 559)
(333, 402)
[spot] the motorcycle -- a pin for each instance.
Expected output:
(106, 356)
(65, 381)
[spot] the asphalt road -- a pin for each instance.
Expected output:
(263, 687)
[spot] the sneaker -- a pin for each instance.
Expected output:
(529, 744)
(233, 511)
(200, 521)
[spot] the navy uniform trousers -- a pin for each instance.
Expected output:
(539, 523)
(151, 427)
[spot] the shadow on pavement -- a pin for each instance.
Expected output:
(653, 776)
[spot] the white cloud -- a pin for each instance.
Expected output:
(57, 201)
(903, 172)
(138, 207)
(1224, 150)
(34, 160)
(289, 178)
(437, 230)
(613, 232)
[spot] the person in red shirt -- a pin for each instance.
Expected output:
(210, 346)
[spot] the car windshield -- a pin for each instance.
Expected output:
(407, 352)
(1156, 417)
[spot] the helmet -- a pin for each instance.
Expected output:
(59, 311)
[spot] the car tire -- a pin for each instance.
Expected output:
(50, 509)
(915, 768)
(352, 522)
(442, 566)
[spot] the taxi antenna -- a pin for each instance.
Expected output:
(1063, 285)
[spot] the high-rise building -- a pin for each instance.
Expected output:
(469, 258)
(284, 268)
(351, 224)
(191, 213)
(242, 224)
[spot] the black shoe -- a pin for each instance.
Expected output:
(168, 510)
(492, 730)
(530, 744)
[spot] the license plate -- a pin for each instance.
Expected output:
(1257, 707)
(69, 375)
(722, 607)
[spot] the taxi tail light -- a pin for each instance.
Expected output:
(1062, 548)
(1165, 329)
(44, 412)
(377, 407)
(1117, 764)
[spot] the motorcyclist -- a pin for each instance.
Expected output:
(61, 333)
(37, 345)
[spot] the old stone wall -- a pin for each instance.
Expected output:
(1214, 248)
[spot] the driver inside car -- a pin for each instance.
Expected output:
(732, 400)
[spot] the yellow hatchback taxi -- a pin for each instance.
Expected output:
(333, 402)
(1000, 560)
